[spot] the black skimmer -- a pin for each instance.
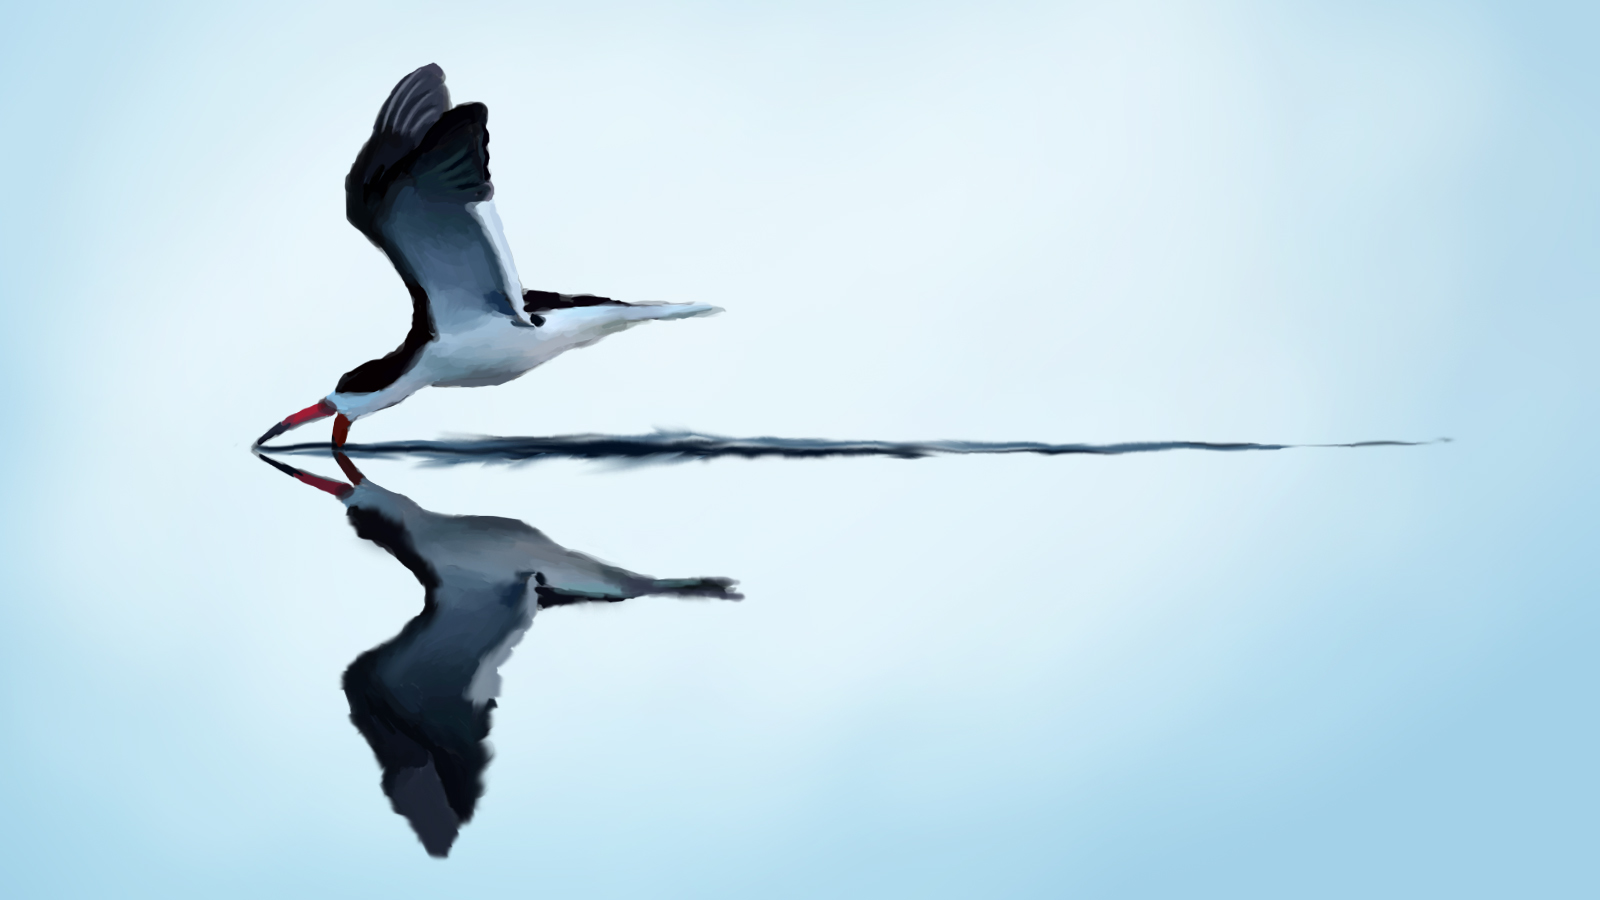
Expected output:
(420, 190)
(422, 699)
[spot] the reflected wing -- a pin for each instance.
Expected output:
(410, 698)
(423, 699)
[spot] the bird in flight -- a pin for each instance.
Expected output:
(420, 191)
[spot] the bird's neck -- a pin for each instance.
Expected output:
(354, 405)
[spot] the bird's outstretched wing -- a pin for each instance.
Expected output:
(414, 105)
(420, 190)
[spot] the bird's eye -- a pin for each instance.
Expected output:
(536, 320)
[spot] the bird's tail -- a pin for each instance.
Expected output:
(670, 310)
(710, 588)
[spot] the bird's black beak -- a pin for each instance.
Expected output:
(319, 410)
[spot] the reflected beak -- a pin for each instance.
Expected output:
(337, 488)
(319, 410)
(348, 468)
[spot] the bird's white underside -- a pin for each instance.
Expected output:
(459, 255)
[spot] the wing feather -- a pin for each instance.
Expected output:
(452, 159)
(415, 104)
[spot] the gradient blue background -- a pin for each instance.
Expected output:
(1308, 674)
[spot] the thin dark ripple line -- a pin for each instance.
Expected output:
(689, 446)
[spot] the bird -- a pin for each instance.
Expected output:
(422, 699)
(420, 190)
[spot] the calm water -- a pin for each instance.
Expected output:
(423, 700)
(1297, 673)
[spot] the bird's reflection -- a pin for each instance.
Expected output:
(422, 699)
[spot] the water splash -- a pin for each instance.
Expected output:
(688, 446)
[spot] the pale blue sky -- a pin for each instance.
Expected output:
(1309, 674)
